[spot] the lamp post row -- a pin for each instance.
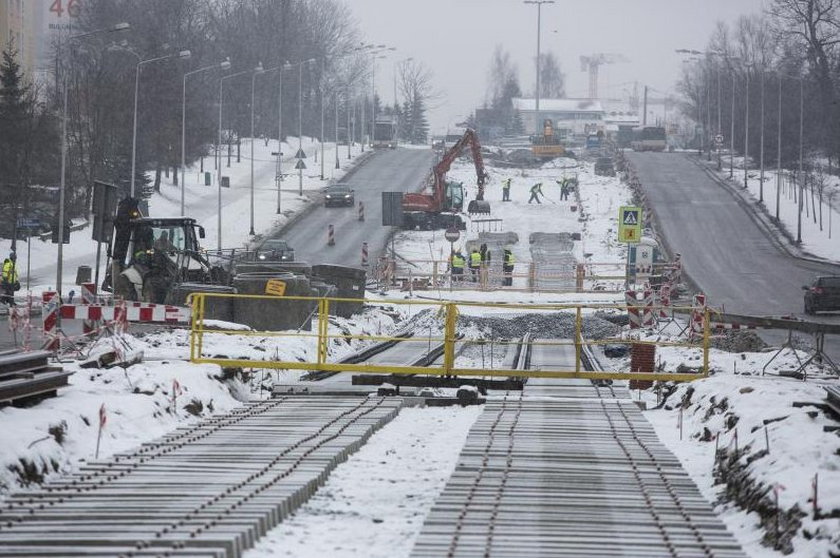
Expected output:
(781, 77)
(224, 65)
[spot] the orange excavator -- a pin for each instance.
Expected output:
(440, 209)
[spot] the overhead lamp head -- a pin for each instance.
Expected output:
(124, 26)
(225, 64)
(259, 69)
(184, 54)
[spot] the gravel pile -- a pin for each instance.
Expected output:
(560, 325)
(735, 341)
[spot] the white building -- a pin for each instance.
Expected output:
(572, 116)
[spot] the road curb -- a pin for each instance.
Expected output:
(759, 216)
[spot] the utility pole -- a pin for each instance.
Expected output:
(644, 108)
(539, 4)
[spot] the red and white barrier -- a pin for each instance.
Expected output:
(49, 313)
(665, 312)
(88, 297)
(364, 253)
(133, 312)
(361, 211)
(698, 313)
(633, 310)
(331, 236)
(648, 315)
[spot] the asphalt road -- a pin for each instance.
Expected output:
(724, 251)
(388, 170)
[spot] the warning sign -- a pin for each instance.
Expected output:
(629, 224)
(275, 287)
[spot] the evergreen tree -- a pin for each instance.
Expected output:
(16, 105)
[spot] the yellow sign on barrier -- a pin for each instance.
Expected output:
(461, 351)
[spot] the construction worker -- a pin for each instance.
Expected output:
(475, 264)
(507, 267)
(457, 266)
(506, 189)
(536, 192)
(564, 189)
(9, 280)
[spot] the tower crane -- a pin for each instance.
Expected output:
(592, 63)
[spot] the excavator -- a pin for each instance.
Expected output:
(152, 258)
(440, 208)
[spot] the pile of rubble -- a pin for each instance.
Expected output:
(559, 325)
(738, 341)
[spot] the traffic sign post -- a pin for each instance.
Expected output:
(300, 165)
(629, 231)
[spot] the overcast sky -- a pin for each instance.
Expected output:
(456, 38)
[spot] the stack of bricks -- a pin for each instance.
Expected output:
(642, 359)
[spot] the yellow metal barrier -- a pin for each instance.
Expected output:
(461, 353)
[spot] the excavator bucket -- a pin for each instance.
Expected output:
(478, 206)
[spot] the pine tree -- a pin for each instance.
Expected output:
(16, 104)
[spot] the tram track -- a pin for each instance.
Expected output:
(208, 490)
(569, 468)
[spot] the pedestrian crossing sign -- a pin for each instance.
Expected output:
(629, 224)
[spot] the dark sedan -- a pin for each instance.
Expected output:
(339, 194)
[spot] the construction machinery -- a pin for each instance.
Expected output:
(439, 209)
(152, 257)
(592, 63)
(549, 145)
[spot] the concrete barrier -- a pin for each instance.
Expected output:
(349, 283)
(273, 315)
(215, 308)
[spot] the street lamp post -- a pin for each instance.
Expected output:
(63, 182)
(732, 130)
(182, 54)
(258, 70)
(799, 174)
(761, 149)
(746, 122)
(224, 65)
(218, 149)
(779, 152)
(539, 4)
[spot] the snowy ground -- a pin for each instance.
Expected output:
(392, 481)
(201, 203)
(820, 214)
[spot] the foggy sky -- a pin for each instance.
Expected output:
(456, 38)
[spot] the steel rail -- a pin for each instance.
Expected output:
(210, 489)
(569, 469)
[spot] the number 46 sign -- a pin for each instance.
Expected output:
(70, 7)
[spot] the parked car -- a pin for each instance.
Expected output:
(275, 250)
(604, 166)
(823, 294)
(339, 194)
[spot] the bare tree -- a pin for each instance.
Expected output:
(415, 86)
(552, 79)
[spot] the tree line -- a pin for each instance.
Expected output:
(312, 51)
(752, 74)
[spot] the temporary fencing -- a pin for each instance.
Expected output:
(464, 351)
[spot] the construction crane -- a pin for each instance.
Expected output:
(592, 63)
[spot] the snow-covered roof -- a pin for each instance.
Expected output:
(558, 105)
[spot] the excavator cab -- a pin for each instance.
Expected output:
(150, 257)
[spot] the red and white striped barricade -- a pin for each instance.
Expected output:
(89, 297)
(364, 253)
(648, 315)
(633, 310)
(49, 313)
(698, 313)
(665, 312)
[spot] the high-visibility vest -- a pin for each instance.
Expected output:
(509, 259)
(536, 188)
(506, 184)
(475, 259)
(457, 262)
(9, 272)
